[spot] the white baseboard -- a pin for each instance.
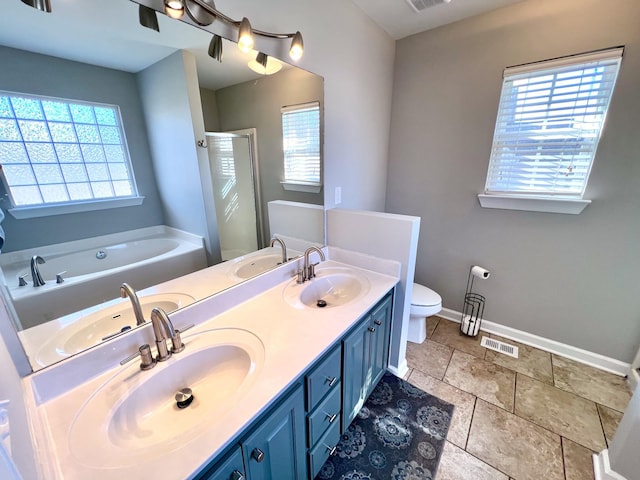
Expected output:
(602, 468)
(579, 355)
(401, 370)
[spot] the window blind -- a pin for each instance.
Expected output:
(549, 122)
(301, 143)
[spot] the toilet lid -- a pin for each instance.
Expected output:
(423, 296)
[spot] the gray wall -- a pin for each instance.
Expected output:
(173, 117)
(50, 76)
(573, 279)
(257, 104)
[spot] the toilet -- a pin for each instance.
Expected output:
(424, 303)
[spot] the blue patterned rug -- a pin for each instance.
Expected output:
(398, 435)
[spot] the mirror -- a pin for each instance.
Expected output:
(74, 56)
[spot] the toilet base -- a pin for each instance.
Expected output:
(417, 332)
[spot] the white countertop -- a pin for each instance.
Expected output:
(293, 339)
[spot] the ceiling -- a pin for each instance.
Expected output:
(399, 20)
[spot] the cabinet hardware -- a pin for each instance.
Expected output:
(236, 475)
(332, 450)
(332, 381)
(331, 418)
(371, 329)
(378, 322)
(257, 455)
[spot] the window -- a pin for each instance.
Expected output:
(549, 122)
(301, 146)
(56, 153)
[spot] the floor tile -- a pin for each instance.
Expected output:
(514, 446)
(578, 461)
(432, 323)
(456, 464)
(408, 374)
(464, 404)
(429, 357)
(602, 387)
(561, 412)
(448, 333)
(489, 381)
(610, 420)
(531, 361)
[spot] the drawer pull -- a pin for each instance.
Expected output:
(378, 322)
(332, 418)
(332, 381)
(332, 450)
(371, 329)
(257, 455)
(236, 475)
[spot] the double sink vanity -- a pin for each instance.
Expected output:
(274, 369)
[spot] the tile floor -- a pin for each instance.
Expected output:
(540, 416)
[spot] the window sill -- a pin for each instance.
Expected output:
(302, 187)
(534, 204)
(49, 210)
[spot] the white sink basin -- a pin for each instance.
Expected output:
(134, 417)
(89, 330)
(332, 287)
(254, 265)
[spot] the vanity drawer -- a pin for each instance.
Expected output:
(325, 414)
(324, 378)
(325, 446)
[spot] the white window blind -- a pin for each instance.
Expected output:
(549, 122)
(301, 143)
(56, 152)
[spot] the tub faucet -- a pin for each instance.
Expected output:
(309, 269)
(163, 330)
(127, 291)
(35, 271)
(275, 240)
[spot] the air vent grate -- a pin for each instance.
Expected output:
(500, 347)
(419, 5)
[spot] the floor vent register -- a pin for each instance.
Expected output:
(500, 347)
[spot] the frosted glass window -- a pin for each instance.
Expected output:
(55, 151)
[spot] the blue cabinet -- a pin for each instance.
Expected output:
(365, 354)
(232, 468)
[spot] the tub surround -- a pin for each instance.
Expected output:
(293, 339)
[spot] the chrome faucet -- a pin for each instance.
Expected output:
(275, 240)
(127, 291)
(163, 330)
(309, 269)
(35, 271)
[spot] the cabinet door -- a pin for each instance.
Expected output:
(380, 326)
(355, 367)
(276, 449)
(231, 468)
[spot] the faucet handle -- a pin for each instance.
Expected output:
(300, 276)
(312, 271)
(59, 278)
(147, 361)
(21, 280)
(176, 342)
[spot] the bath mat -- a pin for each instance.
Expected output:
(399, 435)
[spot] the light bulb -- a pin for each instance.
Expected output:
(297, 47)
(245, 36)
(174, 8)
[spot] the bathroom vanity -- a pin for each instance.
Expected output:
(275, 381)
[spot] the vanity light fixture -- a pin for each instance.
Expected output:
(174, 8)
(265, 65)
(147, 17)
(204, 12)
(42, 5)
(215, 48)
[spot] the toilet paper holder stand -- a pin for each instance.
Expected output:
(473, 307)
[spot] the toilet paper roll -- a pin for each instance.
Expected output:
(480, 272)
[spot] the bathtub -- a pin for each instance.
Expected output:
(96, 267)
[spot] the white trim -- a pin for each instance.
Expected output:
(609, 54)
(596, 360)
(402, 369)
(634, 378)
(76, 207)
(602, 468)
(302, 186)
(572, 206)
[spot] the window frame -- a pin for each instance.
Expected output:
(552, 200)
(300, 185)
(72, 206)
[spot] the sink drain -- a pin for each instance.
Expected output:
(321, 303)
(184, 397)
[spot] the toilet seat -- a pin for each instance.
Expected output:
(424, 297)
